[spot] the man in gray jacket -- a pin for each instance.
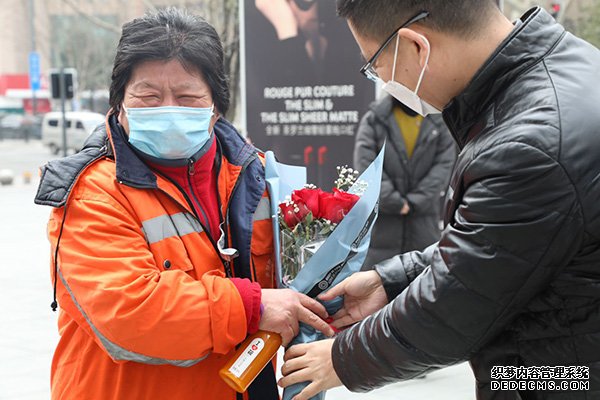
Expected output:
(513, 285)
(419, 156)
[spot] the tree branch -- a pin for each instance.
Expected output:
(95, 20)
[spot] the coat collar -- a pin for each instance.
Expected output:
(131, 170)
(526, 46)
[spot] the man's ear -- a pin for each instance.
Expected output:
(419, 43)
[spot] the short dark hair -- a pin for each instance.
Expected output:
(377, 19)
(169, 34)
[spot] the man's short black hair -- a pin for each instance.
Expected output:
(377, 19)
(170, 34)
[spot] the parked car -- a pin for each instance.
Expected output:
(10, 126)
(79, 125)
(18, 126)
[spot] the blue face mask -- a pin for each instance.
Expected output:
(169, 133)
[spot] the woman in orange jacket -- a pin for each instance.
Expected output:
(162, 254)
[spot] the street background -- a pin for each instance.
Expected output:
(29, 334)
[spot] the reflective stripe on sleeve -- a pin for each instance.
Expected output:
(119, 353)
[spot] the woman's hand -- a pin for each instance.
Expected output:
(284, 308)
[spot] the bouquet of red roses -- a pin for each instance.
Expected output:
(308, 217)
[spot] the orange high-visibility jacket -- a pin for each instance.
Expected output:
(146, 308)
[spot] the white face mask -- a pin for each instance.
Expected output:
(405, 95)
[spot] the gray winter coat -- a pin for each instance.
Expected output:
(419, 180)
(515, 279)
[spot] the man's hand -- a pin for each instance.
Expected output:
(309, 363)
(280, 15)
(284, 308)
(363, 294)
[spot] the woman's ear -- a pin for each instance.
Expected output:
(122, 117)
(214, 119)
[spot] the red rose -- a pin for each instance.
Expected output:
(329, 209)
(335, 206)
(310, 197)
(348, 199)
(293, 213)
(345, 200)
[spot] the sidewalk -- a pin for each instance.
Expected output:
(29, 331)
(454, 383)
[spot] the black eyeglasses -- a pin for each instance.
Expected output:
(367, 69)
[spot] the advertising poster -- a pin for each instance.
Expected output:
(304, 94)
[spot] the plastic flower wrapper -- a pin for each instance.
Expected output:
(339, 254)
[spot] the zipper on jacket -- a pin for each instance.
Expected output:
(191, 172)
(403, 245)
(405, 217)
(253, 272)
(237, 184)
(226, 262)
(245, 165)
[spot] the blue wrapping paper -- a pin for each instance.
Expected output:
(342, 253)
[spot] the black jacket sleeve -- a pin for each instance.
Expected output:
(399, 271)
(517, 224)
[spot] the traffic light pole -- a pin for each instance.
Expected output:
(63, 92)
